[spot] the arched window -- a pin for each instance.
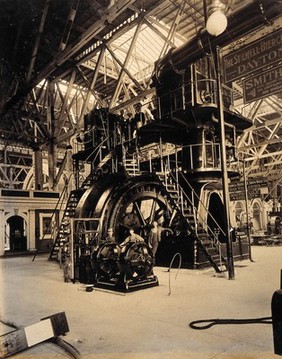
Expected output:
(239, 213)
(16, 235)
(257, 216)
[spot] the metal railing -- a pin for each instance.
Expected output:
(203, 156)
(183, 197)
(198, 91)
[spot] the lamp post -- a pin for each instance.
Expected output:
(216, 23)
(229, 247)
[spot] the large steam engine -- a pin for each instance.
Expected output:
(163, 172)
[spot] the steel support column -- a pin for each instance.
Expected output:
(52, 126)
(38, 169)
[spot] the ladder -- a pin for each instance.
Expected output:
(63, 235)
(62, 238)
(185, 205)
(131, 164)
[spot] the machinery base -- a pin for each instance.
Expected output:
(127, 286)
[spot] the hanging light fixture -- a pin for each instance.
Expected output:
(217, 20)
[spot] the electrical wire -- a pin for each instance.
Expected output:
(169, 269)
(70, 349)
(8, 324)
(212, 322)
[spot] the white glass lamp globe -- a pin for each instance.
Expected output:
(216, 23)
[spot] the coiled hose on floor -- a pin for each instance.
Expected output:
(211, 322)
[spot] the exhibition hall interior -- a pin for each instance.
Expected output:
(141, 167)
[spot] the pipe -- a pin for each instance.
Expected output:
(240, 23)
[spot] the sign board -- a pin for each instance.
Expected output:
(254, 186)
(262, 85)
(237, 191)
(259, 54)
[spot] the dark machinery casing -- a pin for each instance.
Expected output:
(276, 308)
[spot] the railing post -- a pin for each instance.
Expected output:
(181, 199)
(247, 210)
(191, 156)
(134, 164)
(161, 155)
(72, 249)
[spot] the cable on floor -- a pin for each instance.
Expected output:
(169, 269)
(8, 324)
(212, 322)
(70, 349)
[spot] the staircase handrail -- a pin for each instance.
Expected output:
(202, 203)
(100, 145)
(216, 241)
(58, 206)
(214, 236)
(166, 166)
(176, 179)
(97, 148)
(134, 155)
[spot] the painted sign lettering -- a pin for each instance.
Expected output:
(262, 85)
(254, 56)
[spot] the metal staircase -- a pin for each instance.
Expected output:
(132, 167)
(63, 234)
(62, 238)
(185, 204)
(131, 163)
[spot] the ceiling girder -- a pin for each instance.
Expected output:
(123, 68)
(261, 141)
(172, 31)
(124, 28)
(37, 40)
(69, 24)
(64, 114)
(66, 97)
(107, 17)
(92, 86)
